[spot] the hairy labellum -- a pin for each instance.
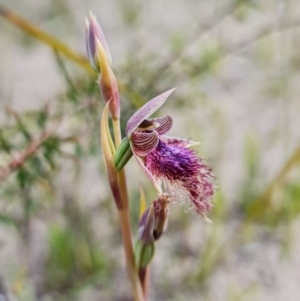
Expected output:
(167, 159)
(181, 168)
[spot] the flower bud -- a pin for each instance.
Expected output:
(108, 82)
(154, 220)
(94, 33)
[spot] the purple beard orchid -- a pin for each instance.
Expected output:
(169, 160)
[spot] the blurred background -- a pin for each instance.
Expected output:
(236, 66)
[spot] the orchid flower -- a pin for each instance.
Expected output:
(168, 160)
(172, 166)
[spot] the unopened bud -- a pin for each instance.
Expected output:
(94, 33)
(108, 83)
(154, 220)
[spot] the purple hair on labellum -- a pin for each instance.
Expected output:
(184, 171)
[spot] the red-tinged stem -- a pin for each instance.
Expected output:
(125, 225)
(144, 275)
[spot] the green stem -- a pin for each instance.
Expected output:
(125, 225)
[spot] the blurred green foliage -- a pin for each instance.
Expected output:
(73, 260)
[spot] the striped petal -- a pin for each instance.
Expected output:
(145, 111)
(165, 124)
(143, 143)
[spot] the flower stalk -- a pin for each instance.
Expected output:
(100, 60)
(125, 226)
(118, 186)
